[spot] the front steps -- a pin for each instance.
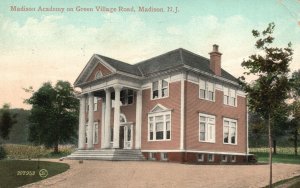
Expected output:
(108, 155)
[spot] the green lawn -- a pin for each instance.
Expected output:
(15, 173)
(278, 158)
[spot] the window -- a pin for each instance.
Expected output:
(229, 131)
(206, 90)
(95, 103)
(224, 158)
(86, 104)
(159, 127)
(206, 128)
(200, 157)
(86, 133)
(95, 135)
(164, 156)
(98, 75)
(126, 96)
(151, 156)
(210, 157)
(233, 158)
(160, 89)
(111, 134)
(229, 96)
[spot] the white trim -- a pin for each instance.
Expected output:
(247, 129)
(196, 151)
(182, 106)
(160, 106)
(229, 133)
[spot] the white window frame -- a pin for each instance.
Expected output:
(151, 156)
(95, 132)
(163, 157)
(205, 85)
(160, 88)
(153, 116)
(229, 131)
(226, 158)
(233, 158)
(98, 75)
(231, 95)
(212, 157)
(208, 125)
(95, 104)
(200, 159)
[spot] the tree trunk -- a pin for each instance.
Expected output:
(56, 148)
(270, 150)
(296, 142)
(274, 147)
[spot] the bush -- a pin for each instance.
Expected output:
(15, 151)
(2, 153)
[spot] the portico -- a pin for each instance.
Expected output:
(122, 129)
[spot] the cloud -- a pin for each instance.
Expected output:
(49, 48)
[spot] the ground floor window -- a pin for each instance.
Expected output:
(224, 158)
(86, 133)
(95, 135)
(207, 128)
(210, 158)
(151, 156)
(200, 157)
(159, 126)
(164, 156)
(111, 134)
(233, 158)
(229, 131)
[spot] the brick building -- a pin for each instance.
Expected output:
(178, 106)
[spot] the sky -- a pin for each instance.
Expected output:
(40, 46)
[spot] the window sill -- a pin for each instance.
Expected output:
(160, 98)
(207, 100)
(159, 140)
(230, 144)
(230, 105)
(209, 142)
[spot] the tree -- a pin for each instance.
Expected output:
(54, 114)
(295, 109)
(7, 120)
(268, 92)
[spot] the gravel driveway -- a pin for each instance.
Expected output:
(162, 174)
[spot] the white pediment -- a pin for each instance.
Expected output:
(89, 68)
(159, 108)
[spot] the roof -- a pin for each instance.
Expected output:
(169, 60)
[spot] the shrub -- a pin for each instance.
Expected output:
(2, 153)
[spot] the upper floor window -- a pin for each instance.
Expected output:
(207, 128)
(160, 89)
(229, 131)
(98, 75)
(159, 124)
(126, 96)
(206, 90)
(229, 96)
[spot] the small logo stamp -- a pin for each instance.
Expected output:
(43, 173)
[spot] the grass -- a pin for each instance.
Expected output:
(278, 158)
(15, 173)
(17, 151)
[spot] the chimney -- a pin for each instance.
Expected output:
(215, 60)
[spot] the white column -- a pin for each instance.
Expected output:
(91, 122)
(107, 118)
(182, 114)
(81, 130)
(117, 116)
(138, 119)
(102, 123)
